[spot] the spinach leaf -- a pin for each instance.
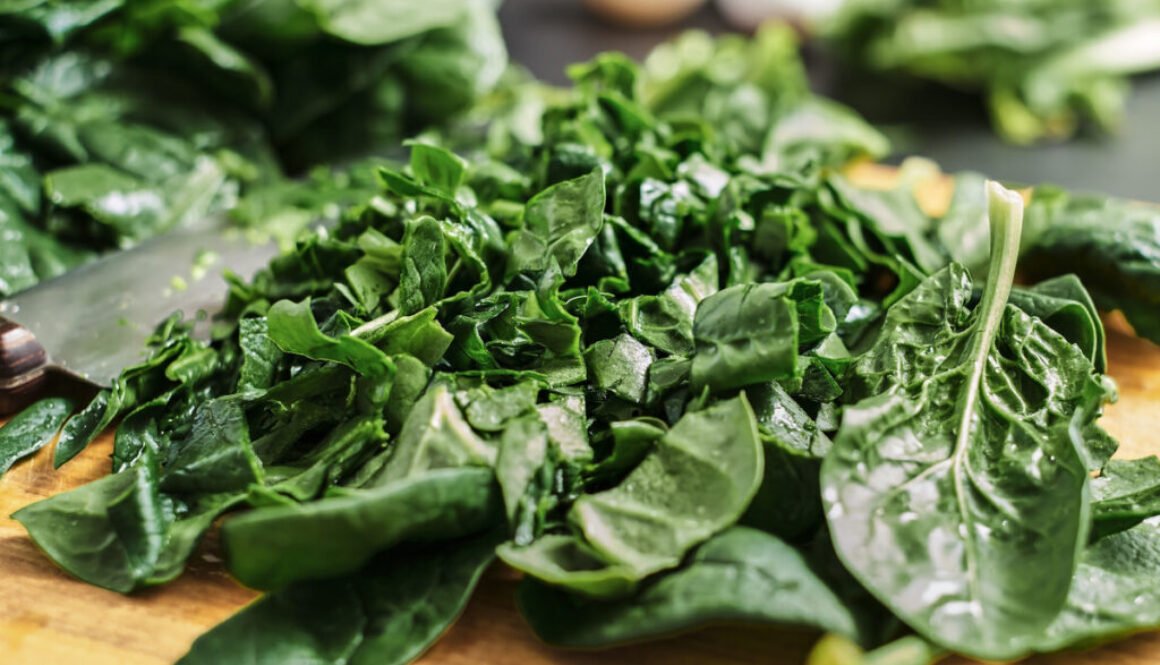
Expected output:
(738, 575)
(434, 436)
(272, 547)
(293, 328)
(437, 167)
(523, 452)
(218, 456)
(632, 441)
(620, 366)
(1111, 245)
(489, 410)
(560, 223)
(260, 355)
(1126, 493)
(137, 385)
(569, 562)
(32, 429)
(115, 532)
(666, 320)
(389, 611)
(424, 274)
(1113, 591)
(650, 520)
(788, 503)
(1064, 304)
(745, 334)
(956, 490)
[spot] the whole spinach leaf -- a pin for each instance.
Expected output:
(956, 490)
(119, 532)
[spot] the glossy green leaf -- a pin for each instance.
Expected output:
(620, 366)
(218, 455)
(390, 611)
(437, 167)
(424, 274)
(560, 223)
(649, 521)
(1113, 592)
(741, 575)
(744, 335)
(568, 562)
(1125, 493)
(435, 436)
(666, 320)
(294, 330)
(1110, 244)
(32, 429)
(956, 490)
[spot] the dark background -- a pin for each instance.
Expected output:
(949, 127)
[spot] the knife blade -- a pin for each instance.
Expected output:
(93, 322)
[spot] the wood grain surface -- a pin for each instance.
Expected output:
(47, 617)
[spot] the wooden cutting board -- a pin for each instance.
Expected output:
(47, 617)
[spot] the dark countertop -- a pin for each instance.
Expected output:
(951, 128)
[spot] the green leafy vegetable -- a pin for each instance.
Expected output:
(1112, 594)
(31, 430)
(1112, 245)
(649, 521)
(1126, 493)
(271, 548)
(123, 122)
(390, 611)
(640, 339)
(957, 486)
(739, 575)
(1045, 68)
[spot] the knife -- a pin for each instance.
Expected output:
(92, 322)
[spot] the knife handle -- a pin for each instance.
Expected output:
(23, 366)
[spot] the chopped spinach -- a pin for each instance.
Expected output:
(638, 339)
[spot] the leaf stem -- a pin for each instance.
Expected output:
(1005, 213)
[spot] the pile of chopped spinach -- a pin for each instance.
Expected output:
(660, 356)
(1047, 67)
(121, 119)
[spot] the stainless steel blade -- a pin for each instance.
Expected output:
(93, 321)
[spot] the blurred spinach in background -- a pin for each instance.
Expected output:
(125, 118)
(1047, 67)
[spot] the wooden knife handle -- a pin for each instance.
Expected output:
(23, 366)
